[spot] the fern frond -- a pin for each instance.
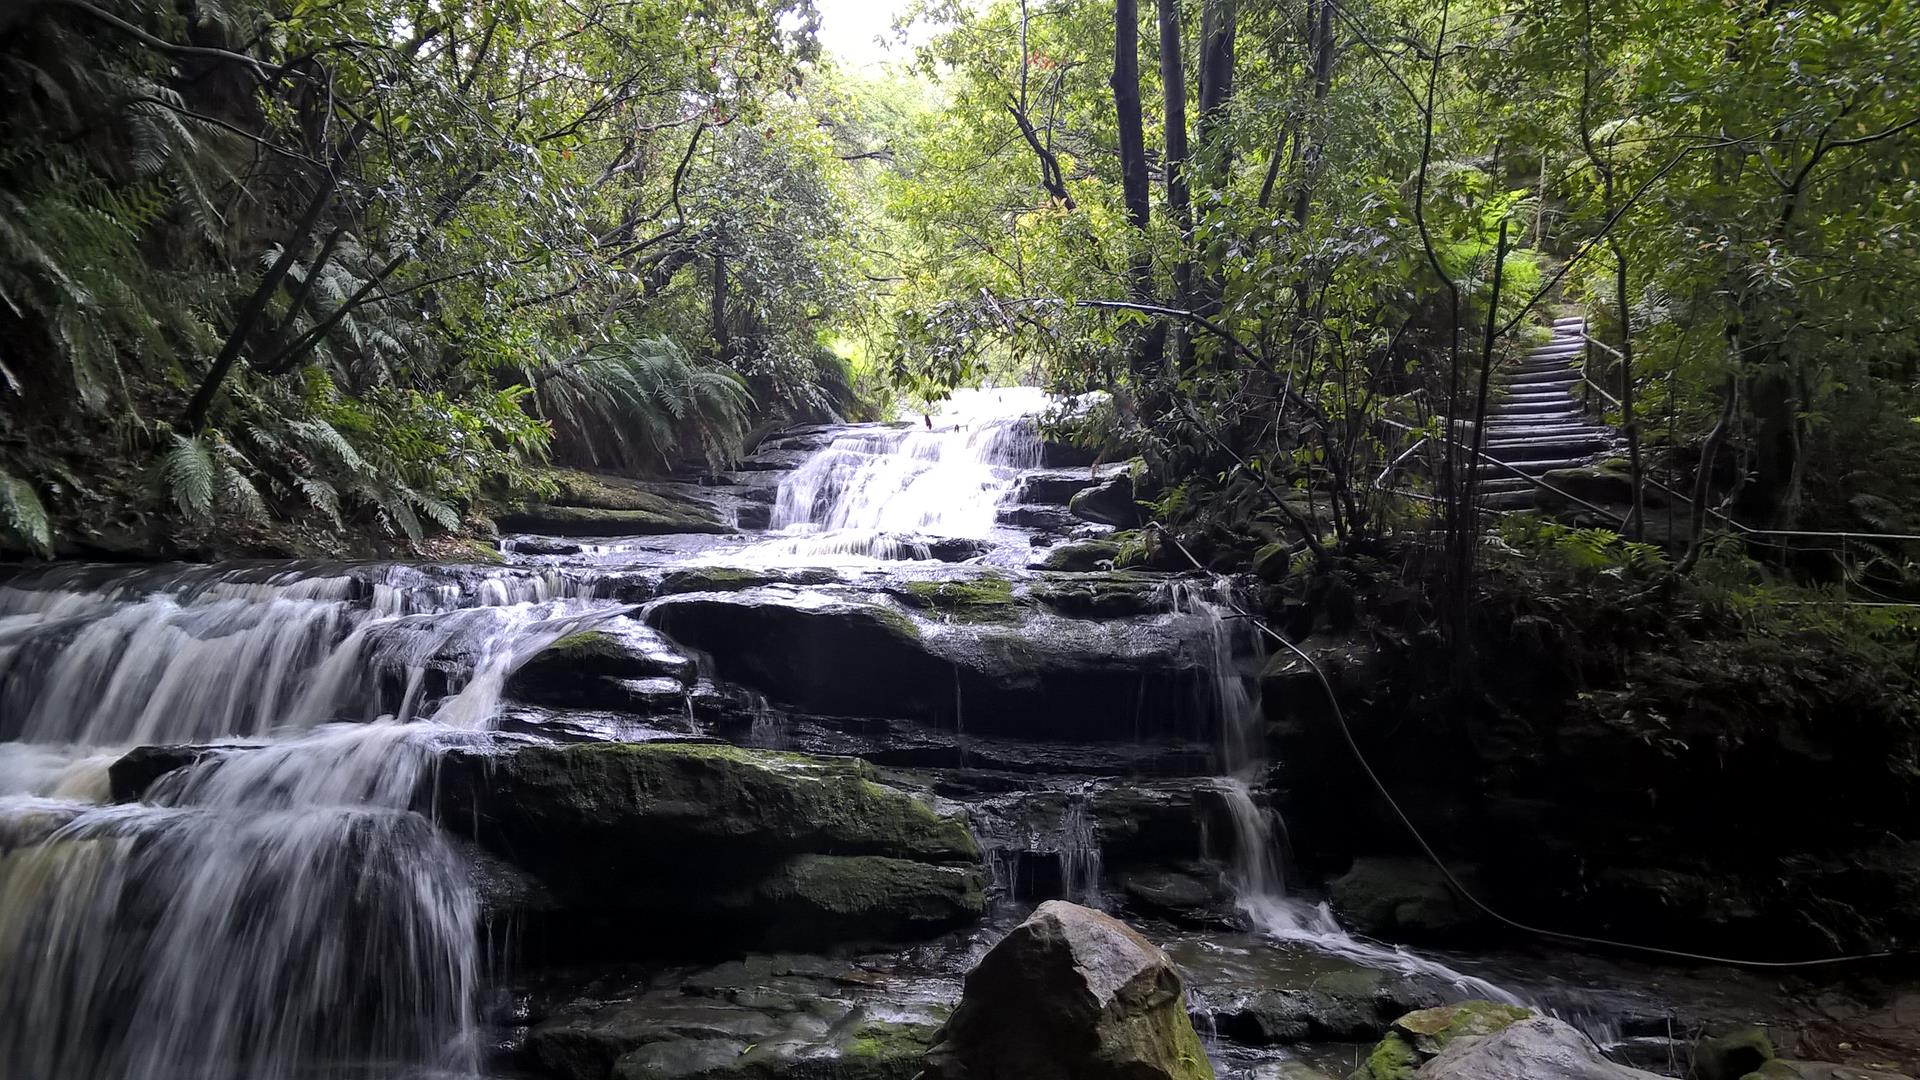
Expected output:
(189, 473)
(23, 515)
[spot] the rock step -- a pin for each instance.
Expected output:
(1537, 448)
(1558, 410)
(1566, 376)
(1536, 467)
(1504, 484)
(1508, 500)
(1533, 392)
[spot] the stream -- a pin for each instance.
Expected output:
(276, 893)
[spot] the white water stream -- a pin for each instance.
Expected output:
(274, 909)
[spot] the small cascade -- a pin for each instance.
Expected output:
(1229, 647)
(865, 490)
(277, 907)
(1042, 846)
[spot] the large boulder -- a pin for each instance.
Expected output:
(737, 846)
(1539, 1048)
(1419, 1037)
(587, 669)
(1731, 1055)
(1070, 994)
(1107, 503)
(1401, 898)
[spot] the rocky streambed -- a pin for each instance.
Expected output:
(739, 776)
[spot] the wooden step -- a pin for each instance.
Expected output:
(1567, 375)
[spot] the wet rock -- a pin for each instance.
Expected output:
(760, 1018)
(134, 773)
(1100, 595)
(1043, 518)
(1731, 1055)
(834, 898)
(1419, 1037)
(1161, 823)
(1107, 503)
(1082, 556)
(1055, 487)
(538, 545)
(753, 515)
(953, 549)
(1255, 994)
(735, 847)
(593, 669)
(1064, 455)
(1401, 898)
(592, 504)
(543, 806)
(736, 579)
(986, 597)
(1070, 993)
(1180, 894)
(1539, 1048)
(1034, 676)
(1782, 1069)
(589, 521)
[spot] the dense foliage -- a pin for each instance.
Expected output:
(348, 268)
(1725, 190)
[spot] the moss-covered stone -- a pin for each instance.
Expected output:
(832, 898)
(1401, 898)
(592, 521)
(725, 579)
(690, 797)
(1099, 595)
(1081, 556)
(1420, 1036)
(988, 596)
(1071, 992)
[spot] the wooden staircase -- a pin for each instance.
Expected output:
(1536, 422)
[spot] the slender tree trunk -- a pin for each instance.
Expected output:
(722, 337)
(1134, 185)
(1218, 19)
(1703, 478)
(1173, 84)
(195, 416)
(1636, 516)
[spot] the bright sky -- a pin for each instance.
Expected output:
(848, 29)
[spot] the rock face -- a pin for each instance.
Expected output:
(1108, 503)
(1401, 898)
(586, 669)
(1540, 1048)
(991, 661)
(737, 846)
(751, 1019)
(587, 504)
(1070, 994)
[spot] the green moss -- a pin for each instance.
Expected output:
(891, 1039)
(1393, 1058)
(593, 521)
(483, 551)
(1421, 1035)
(988, 596)
(869, 897)
(895, 621)
(1081, 556)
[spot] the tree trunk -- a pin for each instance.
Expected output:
(1134, 187)
(1218, 20)
(722, 343)
(1173, 84)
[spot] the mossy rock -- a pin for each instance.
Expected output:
(724, 579)
(602, 492)
(1419, 1036)
(988, 596)
(1099, 595)
(1082, 556)
(591, 521)
(551, 807)
(835, 898)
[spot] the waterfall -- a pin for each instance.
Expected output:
(1228, 644)
(277, 907)
(870, 493)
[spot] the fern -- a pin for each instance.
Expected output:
(189, 474)
(23, 516)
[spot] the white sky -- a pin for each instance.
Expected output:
(848, 29)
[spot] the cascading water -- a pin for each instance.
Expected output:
(870, 493)
(1230, 641)
(276, 908)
